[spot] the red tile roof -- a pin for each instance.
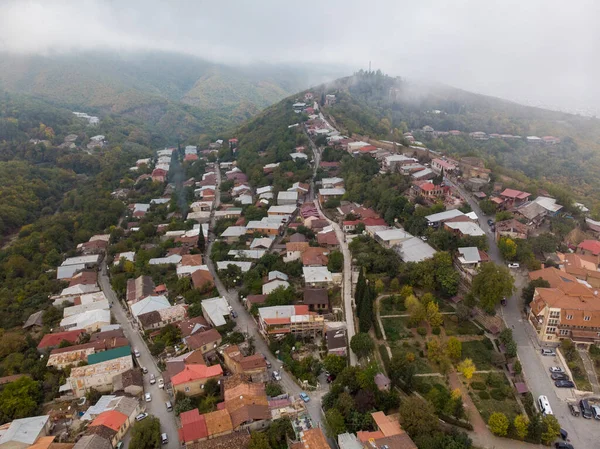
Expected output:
(196, 372)
(112, 419)
(193, 426)
(50, 340)
(515, 194)
(590, 245)
(327, 238)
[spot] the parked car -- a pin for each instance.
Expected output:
(147, 397)
(119, 445)
(136, 352)
(556, 369)
(513, 265)
(276, 375)
(563, 445)
(152, 379)
(596, 412)
(141, 416)
(161, 383)
(503, 301)
(564, 384)
(164, 438)
(574, 410)
(490, 222)
(304, 397)
(144, 370)
(233, 314)
(559, 376)
(564, 434)
(586, 409)
(548, 352)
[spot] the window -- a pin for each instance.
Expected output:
(564, 332)
(554, 314)
(569, 317)
(187, 389)
(553, 322)
(550, 330)
(587, 318)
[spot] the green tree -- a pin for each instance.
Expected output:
(335, 364)
(379, 286)
(508, 248)
(434, 317)
(434, 349)
(521, 424)
(201, 241)
(362, 345)
(417, 417)
(467, 368)
(487, 207)
(336, 261)
(529, 290)
(145, 434)
(395, 285)
(259, 440)
(20, 399)
(334, 423)
(491, 284)
(415, 309)
(498, 423)
(550, 429)
(503, 215)
(454, 348)
(184, 405)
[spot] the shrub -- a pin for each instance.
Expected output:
(494, 380)
(478, 386)
(497, 394)
(498, 424)
(436, 331)
(488, 343)
(422, 331)
(484, 395)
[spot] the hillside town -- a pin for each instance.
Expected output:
(241, 299)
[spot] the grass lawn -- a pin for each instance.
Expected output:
(480, 351)
(391, 306)
(396, 328)
(422, 364)
(453, 327)
(492, 386)
(595, 356)
(579, 373)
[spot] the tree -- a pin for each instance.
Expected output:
(550, 429)
(334, 422)
(417, 417)
(362, 345)
(395, 285)
(145, 434)
(336, 261)
(467, 368)
(454, 348)
(406, 291)
(379, 286)
(20, 399)
(259, 440)
(335, 364)
(487, 207)
(491, 284)
(434, 349)
(529, 290)
(415, 309)
(93, 395)
(402, 370)
(521, 424)
(498, 423)
(517, 367)
(184, 405)
(463, 313)
(508, 248)
(503, 215)
(201, 241)
(434, 317)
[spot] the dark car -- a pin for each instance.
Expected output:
(490, 222)
(559, 376)
(574, 410)
(564, 384)
(564, 434)
(563, 445)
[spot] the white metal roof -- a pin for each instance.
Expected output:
(446, 215)
(415, 250)
(332, 192)
(470, 254)
(216, 309)
(316, 274)
(92, 258)
(244, 266)
(150, 304)
(466, 228)
(393, 234)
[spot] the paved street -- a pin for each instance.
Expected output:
(583, 433)
(347, 280)
(157, 406)
(246, 324)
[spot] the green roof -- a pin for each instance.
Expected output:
(111, 354)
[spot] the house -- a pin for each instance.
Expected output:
(512, 228)
(92, 441)
(99, 375)
(589, 248)
(80, 308)
(532, 212)
(252, 300)
(248, 411)
(190, 381)
(513, 198)
(253, 254)
(139, 288)
(60, 358)
(468, 261)
(414, 250)
(114, 420)
(327, 239)
(253, 366)
(130, 382)
(317, 299)
(49, 341)
(277, 275)
(192, 325)
(149, 304)
(427, 190)
(285, 210)
(262, 243)
(311, 438)
(286, 197)
(389, 434)
(337, 342)
(383, 382)
(193, 427)
(331, 194)
(34, 320)
(393, 162)
(244, 266)
(273, 285)
(392, 237)
(90, 321)
(441, 217)
(168, 260)
(25, 432)
(315, 256)
(289, 319)
(216, 311)
(263, 226)
(157, 319)
(464, 228)
(584, 268)
(424, 174)
(317, 277)
(205, 341)
(332, 183)
(203, 280)
(438, 165)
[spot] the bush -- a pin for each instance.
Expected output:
(478, 386)
(378, 332)
(436, 331)
(385, 357)
(497, 394)
(484, 395)
(488, 343)
(494, 380)
(455, 422)
(422, 331)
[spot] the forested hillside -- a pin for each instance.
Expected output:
(384, 107)
(178, 95)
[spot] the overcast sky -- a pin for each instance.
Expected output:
(535, 51)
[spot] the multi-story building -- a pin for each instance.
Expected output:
(290, 319)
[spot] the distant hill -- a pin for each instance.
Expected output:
(178, 94)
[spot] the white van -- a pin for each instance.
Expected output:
(544, 405)
(164, 438)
